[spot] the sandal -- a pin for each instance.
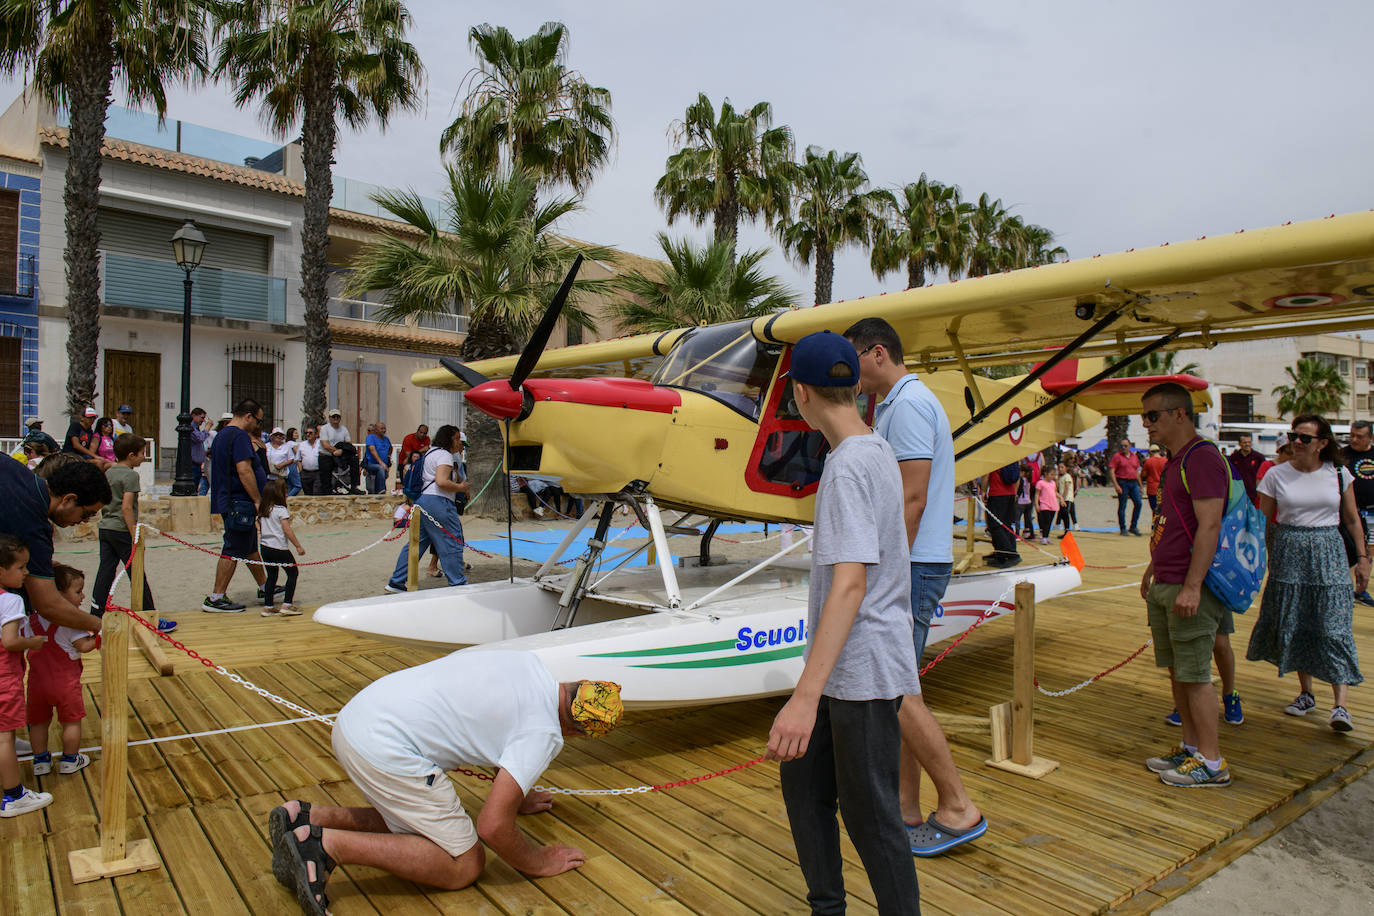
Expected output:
(278, 825)
(300, 854)
(932, 838)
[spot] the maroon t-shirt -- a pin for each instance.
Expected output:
(1171, 541)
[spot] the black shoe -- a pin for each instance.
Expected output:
(354, 491)
(1013, 560)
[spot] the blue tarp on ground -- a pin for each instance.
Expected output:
(538, 544)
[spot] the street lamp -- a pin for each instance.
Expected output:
(188, 245)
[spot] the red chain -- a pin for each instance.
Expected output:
(952, 646)
(152, 628)
(705, 776)
(1121, 664)
(172, 537)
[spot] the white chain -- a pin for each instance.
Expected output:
(268, 695)
(631, 790)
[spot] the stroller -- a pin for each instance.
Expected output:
(341, 475)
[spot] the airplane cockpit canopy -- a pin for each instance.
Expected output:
(724, 362)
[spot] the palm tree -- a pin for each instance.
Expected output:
(76, 51)
(312, 62)
(524, 109)
(988, 225)
(910, 233)
(834, 209)
(700, 286)
(493, 253)
(728, 165)
(1316, 387)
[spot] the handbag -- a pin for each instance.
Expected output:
(242, 515)
(1352, 552)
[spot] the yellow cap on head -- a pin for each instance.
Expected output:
(596, 707)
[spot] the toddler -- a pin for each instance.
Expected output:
(275, 522)
(55, 680)
(17, 799)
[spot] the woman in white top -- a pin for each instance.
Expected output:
(1305, 615)
(440, 527)
(309, 453)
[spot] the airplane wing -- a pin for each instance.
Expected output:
(1309, 277)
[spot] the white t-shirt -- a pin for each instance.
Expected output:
(310, 455)
(488, 707)
(1306, 499)
(272, 533)
(120, 428)
(276, 454)
(11, 608)
(334, 436)
(435, 459)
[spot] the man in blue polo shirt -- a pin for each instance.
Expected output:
(911, 419)
(237, 480)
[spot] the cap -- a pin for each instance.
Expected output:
(125, 408)
(596, 707)
(33, 421)
(278, 431)
(1154, 447)
(334, 412)
(1282, 441)
(816, 354)
(89, 412)
(227, 415)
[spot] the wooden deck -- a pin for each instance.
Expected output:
(1098, 833)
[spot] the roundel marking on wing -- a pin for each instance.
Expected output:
(1303, 301)
(1017, 432)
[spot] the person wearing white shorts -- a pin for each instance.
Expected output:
(398, 737)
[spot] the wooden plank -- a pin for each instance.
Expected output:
(199, 876)
(114, 731)
(26, 884)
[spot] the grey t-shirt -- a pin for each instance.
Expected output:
(123, 479)
(859, 520)
(334, 436)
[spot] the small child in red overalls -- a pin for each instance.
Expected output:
(55, 680)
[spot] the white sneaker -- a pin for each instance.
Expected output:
(288, 610)
(29, 801)
(393, 590)
(67, 767)
(42, 767)
(1340, 720)
(539, 511)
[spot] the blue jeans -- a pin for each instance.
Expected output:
(928, 584)
(202, 482)
(851, 763)
(293, 480)
(450, 552)
(376, 477)
(1130, 489)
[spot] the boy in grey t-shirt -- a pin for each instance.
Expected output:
(839, 735)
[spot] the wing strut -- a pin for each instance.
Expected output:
(1063, 353)
(971, 390)
(1074, 392)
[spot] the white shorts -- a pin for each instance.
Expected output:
(409, 805)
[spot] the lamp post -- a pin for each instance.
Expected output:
(189, 247)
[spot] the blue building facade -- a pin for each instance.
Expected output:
(19, 305)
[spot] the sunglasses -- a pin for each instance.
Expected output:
(1151, 416)
(1304, 438)
(866, 349)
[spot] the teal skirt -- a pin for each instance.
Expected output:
(1308, 606)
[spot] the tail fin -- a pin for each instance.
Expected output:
(1115, 396)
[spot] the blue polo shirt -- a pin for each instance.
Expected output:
(231, 446)
(383, 446)
(912, 421)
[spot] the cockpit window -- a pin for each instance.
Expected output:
(724, 362)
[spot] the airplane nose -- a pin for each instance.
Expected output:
(496, 399)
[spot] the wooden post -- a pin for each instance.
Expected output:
(413, 556)
(147, 642)
(1020, 747)
(114, 855)
(970, 535)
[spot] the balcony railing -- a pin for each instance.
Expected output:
(147, 283)
(359, 310)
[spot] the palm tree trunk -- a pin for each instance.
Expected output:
(825, 272)
(727, 216)
(88, 91)
(915, 273)
(318, 134)
(1117, 427)
(486, 449)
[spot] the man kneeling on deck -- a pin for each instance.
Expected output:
(397, 738)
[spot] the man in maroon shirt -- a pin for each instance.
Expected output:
(1184, 615)
(1247, 462)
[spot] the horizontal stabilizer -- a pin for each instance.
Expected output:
(1116, 397)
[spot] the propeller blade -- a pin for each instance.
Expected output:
(471, 377)
(529, 357)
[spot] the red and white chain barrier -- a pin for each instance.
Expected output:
(395, 534)
(1034, 546)
(1096, 677)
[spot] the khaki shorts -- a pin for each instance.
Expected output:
(407, 804)
(1184, 643)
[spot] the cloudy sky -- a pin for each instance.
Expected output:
(1114, 125)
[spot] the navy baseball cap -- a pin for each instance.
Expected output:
(816, 354)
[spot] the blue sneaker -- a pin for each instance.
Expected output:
(1231, 701)
(1365, 598)
(166, 626)
(1176, 720)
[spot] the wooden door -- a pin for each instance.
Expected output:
(135, 379)
(360, 398)
(11, 385)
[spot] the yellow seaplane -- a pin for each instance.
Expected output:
(699, 422)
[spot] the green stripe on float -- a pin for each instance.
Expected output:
(729, 660)
(668, 650)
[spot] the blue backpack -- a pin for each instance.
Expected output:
(414, 483)
(1239, 565)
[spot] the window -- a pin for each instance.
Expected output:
(1345, 366)
(1361, 369)
(1237, 408)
